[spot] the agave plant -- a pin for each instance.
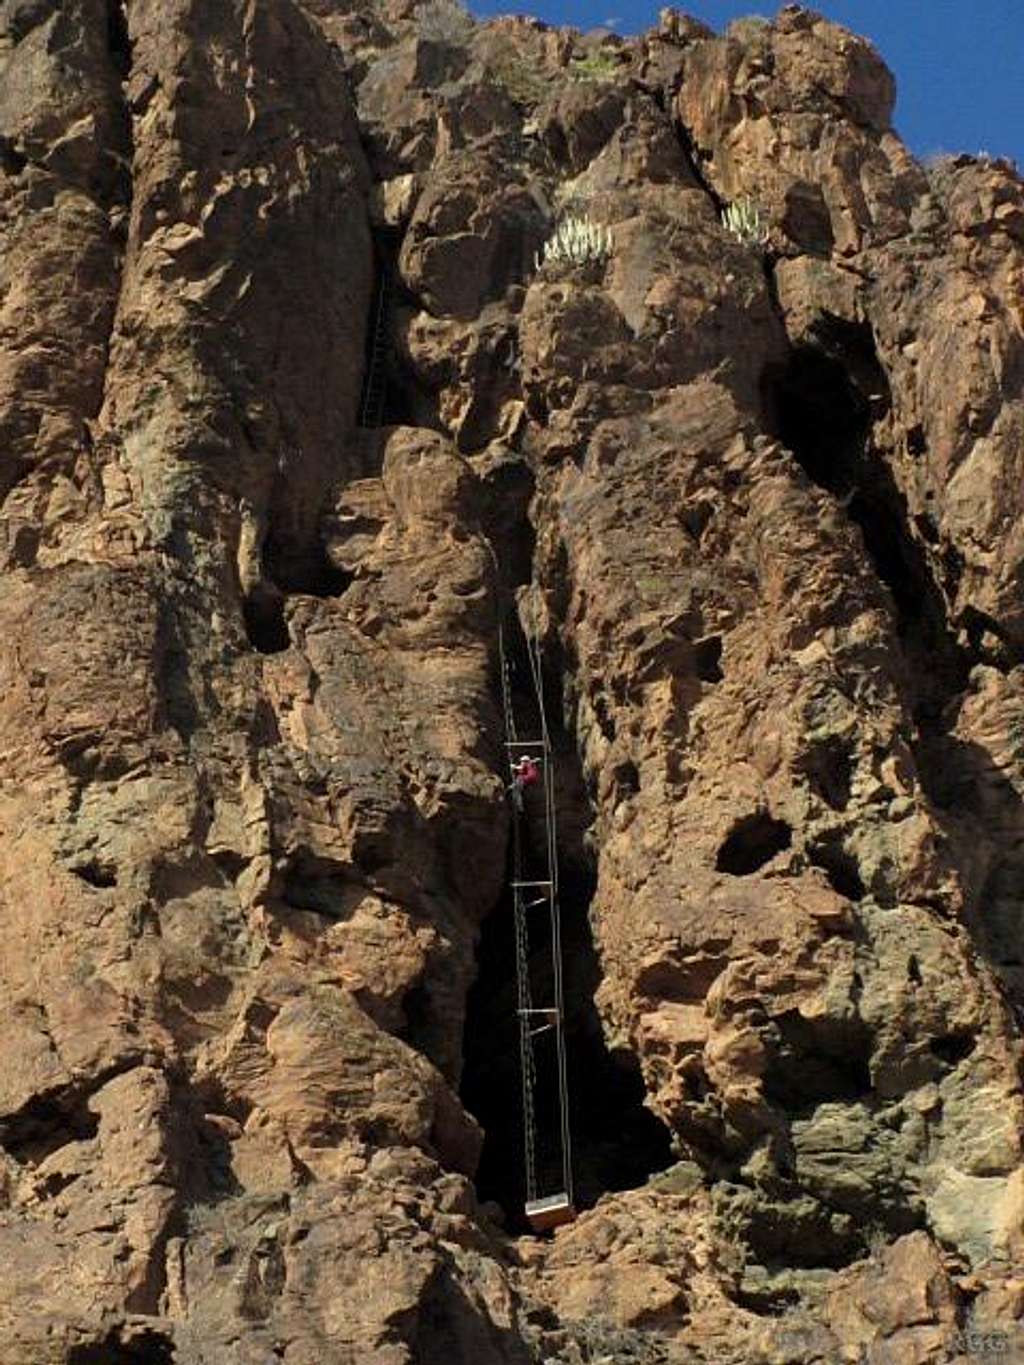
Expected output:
(743, 220)
(575, 241)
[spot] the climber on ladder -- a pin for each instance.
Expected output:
(525, 773)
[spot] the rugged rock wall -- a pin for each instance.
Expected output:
(763, 508)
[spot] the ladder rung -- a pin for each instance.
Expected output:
(544, 1028)
(548, 1010)
(525, 743)
(532, 883)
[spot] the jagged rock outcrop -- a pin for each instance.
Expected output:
(761, 508)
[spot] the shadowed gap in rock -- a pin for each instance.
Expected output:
(288, 568)
(838, 865)
(304, 571)
(751, 843)
(822, 404)
(707, 656)
(391, 394)
(11, 160)
(96, 873)
(617, 1142)
(828, 767)
(118, 42)
(147, 1348)
(952, 1048)
(818, 1062)
(43, 1126)
(263, 610)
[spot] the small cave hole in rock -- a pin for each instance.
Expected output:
(95, 873)
(828, 766)
(767, 1300)
(310, 883)
(751, 843)
(145, 1348)
(707, 657)
(43, 1126)
(926, 528)
(916, 444)
(986, 638)
(627, 780)
(818, 1061)
(11, 160)
(617, 1142)
(952, 1048)
(822, 401)
(265, 625)
(303, 570)
(696, 517)
(419, 1023)
(839, 866)
(914, 970)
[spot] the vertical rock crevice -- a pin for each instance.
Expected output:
(823, 405)
(391, 393)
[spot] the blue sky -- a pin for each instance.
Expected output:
(959, 64)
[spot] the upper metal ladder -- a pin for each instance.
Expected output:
(371, 407)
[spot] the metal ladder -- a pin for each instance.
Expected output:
(531, 895)
(371, 408)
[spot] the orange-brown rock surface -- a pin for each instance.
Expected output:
(760, 504)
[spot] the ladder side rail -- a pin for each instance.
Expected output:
(527, 1060)
(372, 410)
(527, 1069)
(533, 650)
(556, 926)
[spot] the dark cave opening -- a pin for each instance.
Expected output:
(751, 843)
(707, 658)
(146, 1348)
(822, 405)
(96, 873)
(617, 1142)
(303, 570)
(952, 1048)
(11, 160)
(818, 1062)
(289, 568)
(838, 865)
(828, 766)
(265, 625)
(118, 42)
(43, 1126)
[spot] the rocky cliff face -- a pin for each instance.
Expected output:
(763, 507)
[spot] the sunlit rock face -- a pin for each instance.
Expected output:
(291, 422)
